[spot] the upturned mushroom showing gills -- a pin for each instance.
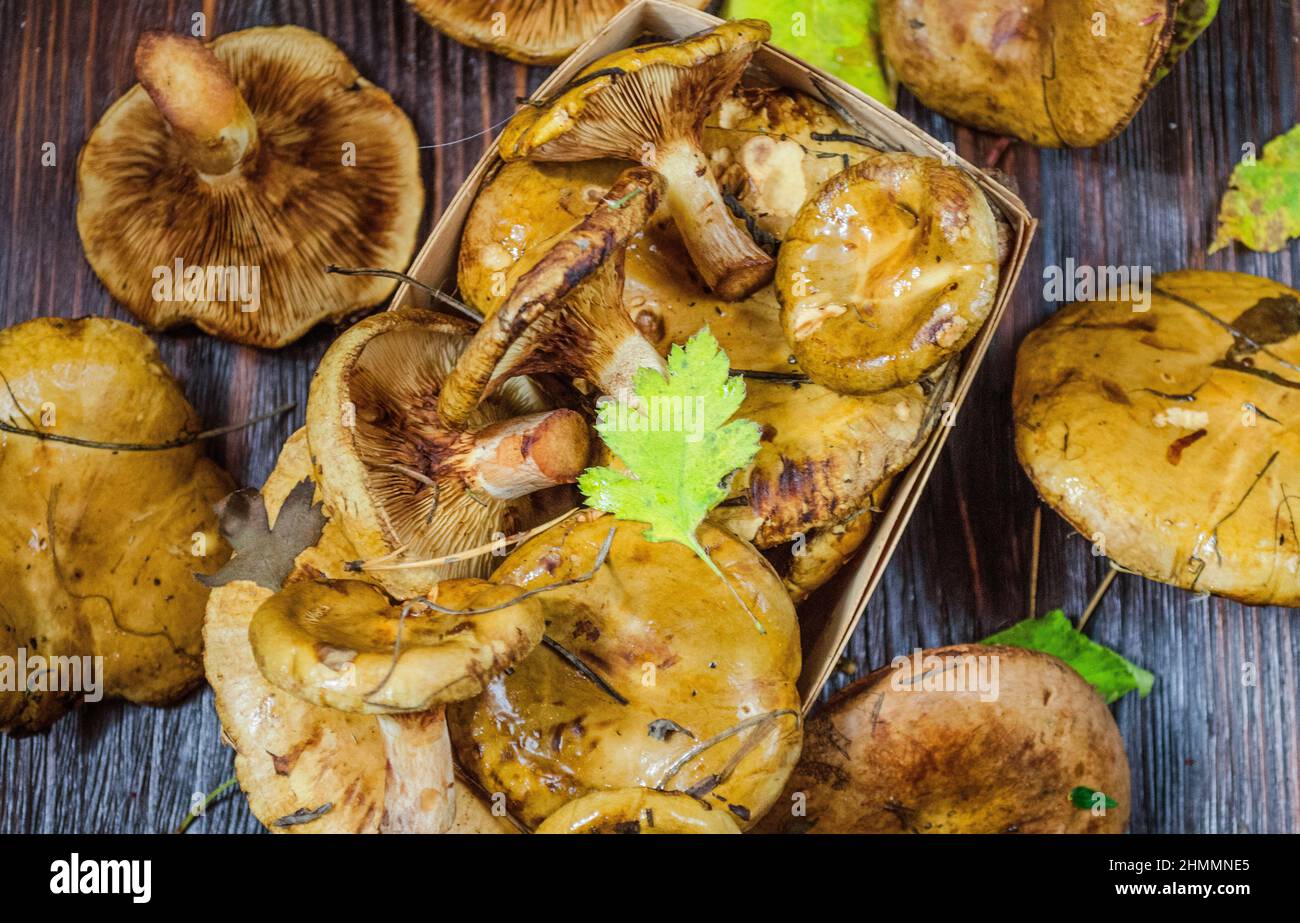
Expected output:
(311, 768)
(344, 645)
(218, 189)
(887, 273)
(403, 484)
(648, 104)
(565, 314)
(639, 810)
(654, 676)
(1057, 73)
(1163, 426)
(528, 31)
(107, 515)
(974, 738)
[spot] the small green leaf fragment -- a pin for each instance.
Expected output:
(1262, 205)
(1085, 798)
(1109, 673)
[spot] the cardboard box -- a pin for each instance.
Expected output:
(436, 266)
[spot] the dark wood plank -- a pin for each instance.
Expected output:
(1208, 754)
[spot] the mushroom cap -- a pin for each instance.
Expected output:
(1036, 69)
(1168, 440)
(682, 82)
(527, 205)
(294, 207)
(100, 543)
(528, 31)
(891, 755)
(663, 631)
(638, 810)
(821, 454)
(344, 644)
(566, 312)
(373, 405)
(290, 754)
(887, 273)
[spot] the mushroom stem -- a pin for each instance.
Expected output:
(518, 456)
(420, 792)
(197, 96)
(731, 263)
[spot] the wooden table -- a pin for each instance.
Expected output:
(1208, 754)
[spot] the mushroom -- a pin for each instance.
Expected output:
(107, 514)
(887, 273)
(525, 206)
(565, 314)
(822, 454)
(1057, 73)
(343, 645)
(528, 31)
(648, 104)
(1159, 423)
(638, 810)
(971, 738)
(308, 768)
(654, 676)
(403, 484)
(219, 188)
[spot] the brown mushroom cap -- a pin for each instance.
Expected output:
(401, 483)
(1037, 69)
(821, 453)
(1168, 436)
(565, 314)
(320, 167)
(889, 272)
(345, 645)
(528, 31)
(891, 754)
(648, 104)
(100, 543)
(526, 206)
(638, 810)
(659, 627)
(293, 756)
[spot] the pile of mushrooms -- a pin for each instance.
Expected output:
(595, 680)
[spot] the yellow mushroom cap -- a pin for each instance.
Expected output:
(887, 273)
(529, 31)
(638, 810)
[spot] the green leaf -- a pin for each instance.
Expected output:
(1262, 206)
(674, 438)
(1082, 798)
(841, 37)
(1109, 673)
(1190, 21)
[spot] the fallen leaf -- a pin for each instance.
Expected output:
(262, 554)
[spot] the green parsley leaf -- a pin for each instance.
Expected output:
(1109, 673)
(1262, 206)
(679, 448)
(841, 37)
(1082, 798)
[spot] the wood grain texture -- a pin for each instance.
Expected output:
(1209, 754)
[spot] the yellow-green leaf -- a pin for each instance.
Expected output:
(1262, 206)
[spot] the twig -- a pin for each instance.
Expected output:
(1096, 597)
(716, 739)
(436, 294)
(377, 564)
(587, 672)
(1033, 564)
(176, 443)
(202, 809)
